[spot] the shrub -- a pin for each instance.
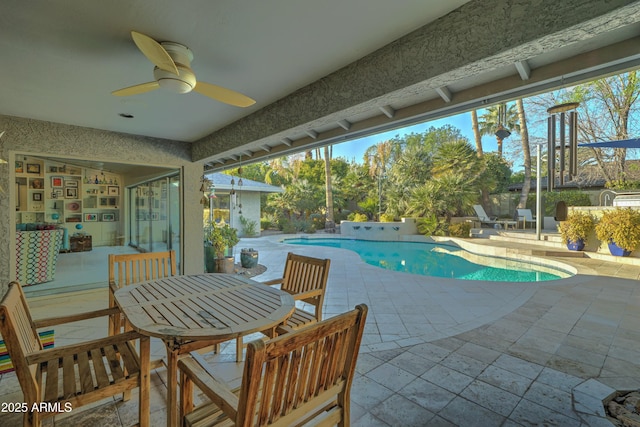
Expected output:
(249, 226)
(386, 218)
(620, 226)
(459, 229)
(358, 217)
(265, 223)
(431, 226)
(578, 226)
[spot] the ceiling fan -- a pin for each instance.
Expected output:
(173, 72)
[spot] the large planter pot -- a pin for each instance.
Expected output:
(575, 246)
(224, 265)
(617, 250)
(249, 259)
(217, 265)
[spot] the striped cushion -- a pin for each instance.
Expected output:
(46, 338)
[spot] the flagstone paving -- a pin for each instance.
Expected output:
(438, 352)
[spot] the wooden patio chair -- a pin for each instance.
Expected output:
(63, 378)
(293, 379)
(305, 278)
(125, 269)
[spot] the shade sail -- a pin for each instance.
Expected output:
(623, 143)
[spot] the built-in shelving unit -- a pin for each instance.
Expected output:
(80, 199)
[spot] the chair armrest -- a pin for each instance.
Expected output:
(273, 282)
(309, 294)
(43, 323)
(195, 367)
(283, 329)
(66, 350)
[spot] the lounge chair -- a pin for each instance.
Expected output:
(483, 218)
(525, 217)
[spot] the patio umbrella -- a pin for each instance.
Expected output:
(623, 143)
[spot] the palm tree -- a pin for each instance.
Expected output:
(526, 149)
(491, 123)
(328, 189)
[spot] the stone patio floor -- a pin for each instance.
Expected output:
(436, 351)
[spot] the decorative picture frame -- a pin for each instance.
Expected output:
(91, 217)
(19, 166)
(33, 168)
(57, 193)
(57, 182)
(108, 217)
(36, 184)
(71, 183)
(36, 197)
(113, 190)
(71, 193)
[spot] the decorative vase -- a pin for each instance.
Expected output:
(248, 258)
(575, 246)
(617, 250)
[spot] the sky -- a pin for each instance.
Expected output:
(355, 149)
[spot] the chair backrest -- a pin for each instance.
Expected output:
(525, 213)
(305, 274)
(482, 215)
(125, 269)
(21, 338)
(287, 377)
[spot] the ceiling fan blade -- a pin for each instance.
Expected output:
(222, 94)
(154, 52)
(137, 89)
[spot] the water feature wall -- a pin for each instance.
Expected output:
(379, 230)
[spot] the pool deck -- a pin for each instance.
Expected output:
(438, 351)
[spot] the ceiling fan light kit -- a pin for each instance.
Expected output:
(173, 72)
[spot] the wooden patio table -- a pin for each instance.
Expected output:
(191, 312)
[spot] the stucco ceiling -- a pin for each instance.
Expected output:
(63, 58)
(60, 60)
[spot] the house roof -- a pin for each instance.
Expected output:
(222, 181)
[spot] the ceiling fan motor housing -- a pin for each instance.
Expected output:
(185, 81)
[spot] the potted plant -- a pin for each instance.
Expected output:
(576, 229)
(219, 241)
(620, 229)
(248, 257)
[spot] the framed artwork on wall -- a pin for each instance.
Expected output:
(71, 193)
(19, 166)
(33, 168)
(57, 182)
(90, 217)
(113, 191)
(108, 217)
(37, 197)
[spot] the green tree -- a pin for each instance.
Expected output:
(494, 120)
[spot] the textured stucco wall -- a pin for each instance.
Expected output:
(35, 137)
(480, 36)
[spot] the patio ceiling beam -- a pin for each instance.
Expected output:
(417, 63)
(344, 124)
(523, 69)
(444, 93)
(388, 111)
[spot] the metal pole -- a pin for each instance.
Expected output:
(538, 191)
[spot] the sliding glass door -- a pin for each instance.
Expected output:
(154, 217)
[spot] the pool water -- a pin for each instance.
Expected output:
(429, 259)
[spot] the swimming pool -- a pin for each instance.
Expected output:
(430, 259)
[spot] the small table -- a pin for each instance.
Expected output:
(194, 311)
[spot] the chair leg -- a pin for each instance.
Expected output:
(239, 347)
(186, 395)
(145, 382)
